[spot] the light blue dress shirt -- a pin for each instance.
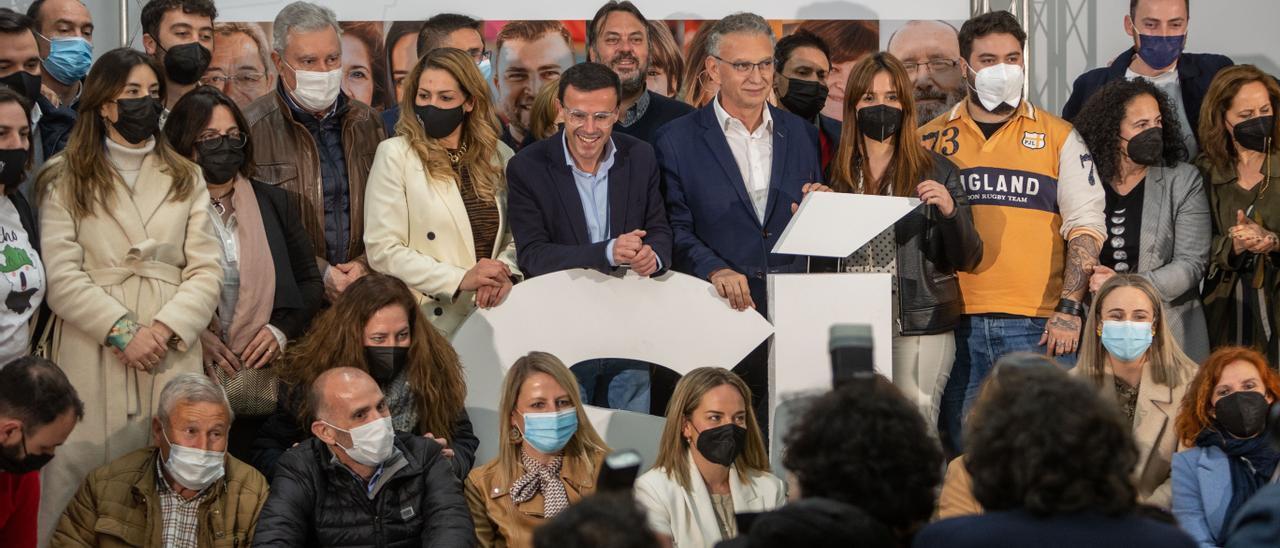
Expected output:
(593, 189)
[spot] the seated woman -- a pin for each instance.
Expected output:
(711, 462)
(1222, 421)
(549, 454)
(1130, 352)
(376, 326)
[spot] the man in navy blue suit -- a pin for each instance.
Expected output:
(733, 170)
(590, 198)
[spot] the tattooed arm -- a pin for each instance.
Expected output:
(1081, 202)
(1062, 332)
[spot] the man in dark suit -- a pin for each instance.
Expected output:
(589, 198)
(802, 61)
(733, 170)
(1159, 31)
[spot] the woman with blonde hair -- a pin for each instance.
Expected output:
(435, 202)
(544, 116)
(549, 455)
(711, 462)
(698, 90)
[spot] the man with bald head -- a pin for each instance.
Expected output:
(357, 482)
(930, 50)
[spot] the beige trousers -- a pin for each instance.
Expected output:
(921, 366)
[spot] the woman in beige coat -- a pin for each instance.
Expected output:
(435, 202)
(132, 267)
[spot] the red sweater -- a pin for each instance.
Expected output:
(19, 506)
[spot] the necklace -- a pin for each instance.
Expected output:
(218, 204)
(455, 156)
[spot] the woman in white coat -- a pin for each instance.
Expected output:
(711, 463)
(132, 266)
(435, 202)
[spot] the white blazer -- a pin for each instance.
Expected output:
(688, 517)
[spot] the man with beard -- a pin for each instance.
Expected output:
(618, 36)
(529, 54)
(803, 62)
(930, 51)
(179, 34)
(1035, 200)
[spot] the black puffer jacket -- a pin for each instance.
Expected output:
(315, 501)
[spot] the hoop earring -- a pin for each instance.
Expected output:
(515, 436)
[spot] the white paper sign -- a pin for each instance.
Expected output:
(835, 224)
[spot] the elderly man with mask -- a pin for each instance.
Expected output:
(359, 483)
(930, 51)
(186, 491)
(311, 139)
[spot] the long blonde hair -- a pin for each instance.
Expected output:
(479, 135)
(585, 444)
(673, 448)
(83, 174)
(1169, 364)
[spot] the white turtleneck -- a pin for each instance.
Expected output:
(128, 161)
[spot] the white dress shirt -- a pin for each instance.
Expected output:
(753, 152)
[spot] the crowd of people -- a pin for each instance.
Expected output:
(234, 263)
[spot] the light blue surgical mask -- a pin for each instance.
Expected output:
(1126, 341)
(486, 69)
(550, 432)
(69, 59)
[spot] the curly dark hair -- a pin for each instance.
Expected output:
(1099, 124)
(1045, 442)
(867, 446)
(602, 520)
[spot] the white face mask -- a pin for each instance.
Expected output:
(192, 468)
(999, 84)
(316, 91)
(371, 443)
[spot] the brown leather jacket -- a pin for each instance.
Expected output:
(500, 523)
(285, 155)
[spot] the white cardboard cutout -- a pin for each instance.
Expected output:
(857, 218)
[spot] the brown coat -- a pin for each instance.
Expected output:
(502, 524)
(286, 156)
(118, 505)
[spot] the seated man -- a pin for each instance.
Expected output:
(38, 410)
(358, 483)
(184, 491)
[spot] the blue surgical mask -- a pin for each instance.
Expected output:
(550, 432)
(1160, 52)
(1126, 341)
(486, 69)
(69, 59)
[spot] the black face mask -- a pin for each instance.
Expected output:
(221, 158)
(26, 84)
(1242, 414)
(879, 122)
(804, 98)
(385, 362)
(186, 63)
(439, 122)
(10, 461)
(1255, 133)
(1147, 147)
(13, 167)
(722, 444)
(137, 119)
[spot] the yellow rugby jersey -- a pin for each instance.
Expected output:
(1032, 188)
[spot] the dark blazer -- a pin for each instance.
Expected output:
(390, 118)
(546, 212)
(1195, 72)
(299, 286)
(712, 217)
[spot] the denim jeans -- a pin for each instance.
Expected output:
(614, 383)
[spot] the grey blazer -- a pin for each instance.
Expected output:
(1174, 254)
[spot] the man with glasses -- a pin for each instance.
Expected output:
(600, 208)
(930, 51)
(446, 30)
(618, 36)
(240, 66)
(734, 171)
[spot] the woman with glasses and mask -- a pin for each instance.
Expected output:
(132, 264)
(435, 203)
(1240, 160)
(881, 154)
(1157, 213)
(711, 463)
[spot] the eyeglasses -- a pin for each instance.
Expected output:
(935, 66)
(479, 55)
(766, 66)
(208, 143)
(241, 79)
(578, 117)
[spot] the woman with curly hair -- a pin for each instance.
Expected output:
(1132, 131)
(376, 326)
(1051, 461)
(1223, 421)
(711, 462)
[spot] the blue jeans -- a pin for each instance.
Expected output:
(614, 383)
